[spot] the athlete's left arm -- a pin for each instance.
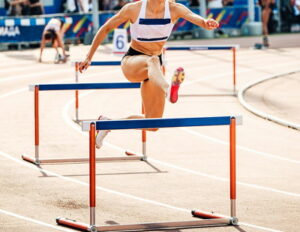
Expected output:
(180, 11)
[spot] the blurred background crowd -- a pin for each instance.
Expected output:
(289, 9)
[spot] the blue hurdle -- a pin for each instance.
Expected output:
(78, 86)
(233, 48)
(209, 219)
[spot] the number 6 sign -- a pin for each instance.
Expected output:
(120, 41)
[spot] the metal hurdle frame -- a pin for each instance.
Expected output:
(169, 48)
(213, 47)
(77, 86)
(209, 219)
(94, 63)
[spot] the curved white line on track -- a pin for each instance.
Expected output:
(23, 163)
(263, 114)
(34, 221)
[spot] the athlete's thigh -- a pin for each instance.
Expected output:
(153, 99)
(135, 68)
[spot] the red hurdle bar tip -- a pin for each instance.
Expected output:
(199, 214)
(72, 224)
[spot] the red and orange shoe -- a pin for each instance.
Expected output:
(101, 134)
(177, 79)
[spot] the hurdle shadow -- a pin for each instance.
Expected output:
(239, 229)
(111, 223)
(108, 174)
(156, 170)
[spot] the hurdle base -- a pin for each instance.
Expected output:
(146, 226)
(82, 160)
(204, 215)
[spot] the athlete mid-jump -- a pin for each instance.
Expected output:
(152, 22)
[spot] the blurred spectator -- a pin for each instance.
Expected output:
(194, 3)
(17, 7)
(71, 6)
(214, 4)
(287, 14)
(267, 6)
(296, 7)
(120, 4)
(106, 4)
(35, 7)
(227, 2)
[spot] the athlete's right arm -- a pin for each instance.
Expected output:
(121, 17)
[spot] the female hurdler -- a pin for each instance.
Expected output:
(152, 22)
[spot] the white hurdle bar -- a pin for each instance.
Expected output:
(210, 219)
(233, 48)
(78, 86)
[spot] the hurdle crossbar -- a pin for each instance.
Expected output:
(82, 86)
(233, 48)
(210, 219)
(170, 48)
(93, 63)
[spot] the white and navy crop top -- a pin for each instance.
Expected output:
(152, 30)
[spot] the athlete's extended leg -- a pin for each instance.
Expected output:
(142, 67)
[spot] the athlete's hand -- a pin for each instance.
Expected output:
(211, 24)
(84, 65)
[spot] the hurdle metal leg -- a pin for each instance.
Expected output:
(234, 69)
(76, 93)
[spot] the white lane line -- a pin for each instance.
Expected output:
(240, 147)
(259, 227)
(34, 221)
(152, 202)
(69, 122)
(13, 92)
(224, 179)
(35, 74)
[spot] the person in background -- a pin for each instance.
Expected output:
(214, 4)
(54, 33)
(120, 4)
(296, 7)
(227, 3)
(17, 7)
(35, 7)
(267, 6)
(194, 3)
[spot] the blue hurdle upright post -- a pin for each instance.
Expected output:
(233, 48)
(211, 219)
(94, 63)
(78, 86)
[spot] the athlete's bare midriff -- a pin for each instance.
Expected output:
(151, 49)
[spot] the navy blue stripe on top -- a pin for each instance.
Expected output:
(161, 123)
(79, 86)
(152, 39)
(154, 21)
